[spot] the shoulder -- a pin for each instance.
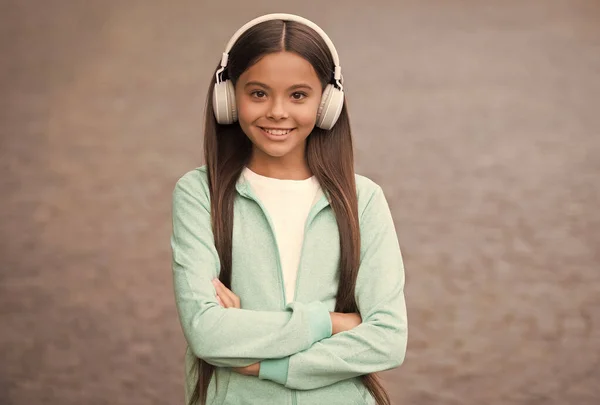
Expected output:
(193, 184)
(197, 177)
(366, 189)
(370, 196)
(365, 185)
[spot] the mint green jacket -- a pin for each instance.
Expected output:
(301, 363)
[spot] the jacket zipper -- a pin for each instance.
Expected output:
(279, 266)
(309, 220)
(312, 214)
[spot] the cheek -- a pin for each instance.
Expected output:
(307, 113)
(307, 117)
(249, 111)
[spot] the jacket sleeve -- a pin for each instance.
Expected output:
(228, 337)
(379, 342)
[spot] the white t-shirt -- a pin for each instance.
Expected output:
(288, 203)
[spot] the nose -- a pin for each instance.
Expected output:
(277, 110)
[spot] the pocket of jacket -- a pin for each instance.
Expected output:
(345, 392)
(364, 393)
(243, 389)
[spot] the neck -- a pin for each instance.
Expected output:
(280, 168)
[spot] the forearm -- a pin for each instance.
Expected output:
(233, 337)
(339, 322)
(363, 350)
(373, 346)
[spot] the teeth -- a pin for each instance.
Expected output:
(277, 131)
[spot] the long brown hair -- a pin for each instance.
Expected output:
(329, 155)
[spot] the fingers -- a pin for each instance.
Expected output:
(234, 299)
(343, 322)
(227, 298)
(222, 297)
(253, 370)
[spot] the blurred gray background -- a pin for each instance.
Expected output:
(480, 120)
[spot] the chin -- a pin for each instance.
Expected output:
(274, 151)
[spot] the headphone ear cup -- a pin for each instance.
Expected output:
(330, 108)
(231, 101)
(224, 103)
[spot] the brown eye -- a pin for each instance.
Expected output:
(258, 94)
(298, 95)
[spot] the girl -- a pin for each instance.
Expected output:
(288, 276)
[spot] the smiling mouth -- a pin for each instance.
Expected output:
(277, 131)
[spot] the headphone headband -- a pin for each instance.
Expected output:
(337, 72)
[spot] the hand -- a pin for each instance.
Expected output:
(341, 322)
(225, 297)
(252, 369)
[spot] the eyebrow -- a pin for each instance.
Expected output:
(294, 87)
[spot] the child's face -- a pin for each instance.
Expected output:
(277, 100)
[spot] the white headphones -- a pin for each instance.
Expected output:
(332, 99)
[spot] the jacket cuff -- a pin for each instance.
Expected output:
(319, 320)
(275, 370)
